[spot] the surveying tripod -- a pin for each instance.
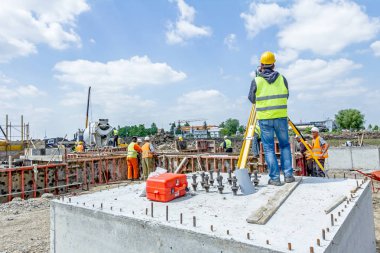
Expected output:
(248, 136)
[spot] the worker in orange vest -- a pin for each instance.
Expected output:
(147, 158)
(319, 148)
(79, 148)
(132, 160)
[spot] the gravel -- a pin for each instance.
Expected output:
(25, 226)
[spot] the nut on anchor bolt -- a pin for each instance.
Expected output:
(203, 179)
(234, 185)
(217, 173)
(206, 185)
(255, 178)
(229, 179)
(194, 183)
(211, 178)
(220, 184)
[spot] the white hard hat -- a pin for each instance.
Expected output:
(139, 140)
(147, 138)
(225, 137)
(315, 129)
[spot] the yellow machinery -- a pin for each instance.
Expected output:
(248, 136)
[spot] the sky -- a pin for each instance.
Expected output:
(167, 60)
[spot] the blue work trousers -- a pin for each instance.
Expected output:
(268, 128)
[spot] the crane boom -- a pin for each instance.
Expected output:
(88, 105)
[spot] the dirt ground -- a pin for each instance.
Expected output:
(24, 225)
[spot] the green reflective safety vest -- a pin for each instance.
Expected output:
(115, 132)
(132, 153)
(228, 143)
(271, 99)
(258, 129)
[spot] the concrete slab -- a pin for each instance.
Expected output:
(118, 220)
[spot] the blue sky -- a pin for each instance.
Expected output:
(164, 60)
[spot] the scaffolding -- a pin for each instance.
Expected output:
(14, 137)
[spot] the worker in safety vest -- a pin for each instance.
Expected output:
(227, 145)
(182, 145)
(115, 137)
(79, 148)
(147, 158)
(307, 158)
(132, 160)
(319, 148)
(269, 91)
(256, 141)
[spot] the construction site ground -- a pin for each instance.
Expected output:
(25, 225)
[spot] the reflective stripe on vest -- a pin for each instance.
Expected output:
(146, 153)
(317, 149)
(132, 153)
(271, 99)
(228, 143)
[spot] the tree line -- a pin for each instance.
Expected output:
(137, 130)
(347, 119)
(353, 120)
(228, 127)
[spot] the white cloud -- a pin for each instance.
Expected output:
(212, 104)
(323, 27)
(10, 89)
(319, 79)
(117, 75)
(26, 24)
(261, 16)
(375, 46)
(231, 42)
(117, 87)
(184, 28)
(23, 99)
(286, 56)
(327, 27)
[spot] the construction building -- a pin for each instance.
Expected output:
(324, 125)
(201, 132)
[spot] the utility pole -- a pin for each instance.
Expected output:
(22, 129)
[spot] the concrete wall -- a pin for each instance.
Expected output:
(345, 158)
(357, 233)
(78, 230)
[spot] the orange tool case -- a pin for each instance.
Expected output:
(166, 187)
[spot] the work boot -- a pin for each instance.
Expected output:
(290, 179)
(274, 182)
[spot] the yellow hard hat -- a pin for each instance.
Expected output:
(267, 58)
(180, 138)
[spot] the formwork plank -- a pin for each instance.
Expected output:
(262, 215)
